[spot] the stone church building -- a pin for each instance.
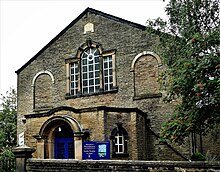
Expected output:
(97, 80)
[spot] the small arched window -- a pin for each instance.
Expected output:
(119, 138)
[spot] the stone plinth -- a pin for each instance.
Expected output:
(22, 153)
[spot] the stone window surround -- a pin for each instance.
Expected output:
(77, 59)
(40, 73)
(33, 86)
(144, 53)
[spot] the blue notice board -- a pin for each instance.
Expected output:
(96, 150)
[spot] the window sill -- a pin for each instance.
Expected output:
(147, 96)
(68, 96)
(120, 155)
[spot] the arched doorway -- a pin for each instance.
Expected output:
(60, 137)
(63, 143)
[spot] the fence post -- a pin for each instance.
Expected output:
(22, 153)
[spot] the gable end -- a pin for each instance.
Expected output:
(88, 10)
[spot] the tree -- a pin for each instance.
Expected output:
(8, 129)
(189, 44)
(8, 120)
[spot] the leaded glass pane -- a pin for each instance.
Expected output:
(85, 90)
(97, 82)
(106, 79)
(72, 70)
(110, 79)
(71, 77)
(84, 68)
(110, 64)
(90, 67)
(97, 88)
(84, 75)
(105, 73)
(96, 66)
(120, 148)
(72, 84)
(91, 82)
(111, 86)
(97, 74)
(120, 140)
(110, 71)
(84, 62)
(97, 59)
(105, 65)
(91, 61)
(91, 90)
(106, 87)
(91, 74)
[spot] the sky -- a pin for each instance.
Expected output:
(27, 26)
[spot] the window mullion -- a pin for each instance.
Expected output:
(87, 79)
(101, 73)
(94, 75)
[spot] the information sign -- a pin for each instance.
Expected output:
(96, 150)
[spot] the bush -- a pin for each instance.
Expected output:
(7, 160)
(198, 157)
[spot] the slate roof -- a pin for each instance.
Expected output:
(87, 10)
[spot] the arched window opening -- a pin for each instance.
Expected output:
(90, 65)
(119, 137)
(146, 67)
(42, 92)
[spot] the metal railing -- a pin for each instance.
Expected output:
(7, 165)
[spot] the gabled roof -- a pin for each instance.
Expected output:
(118, 19)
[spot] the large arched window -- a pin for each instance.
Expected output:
(92, 71)
(90, 65)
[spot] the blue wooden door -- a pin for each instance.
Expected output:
(64, 148)
(64, 143)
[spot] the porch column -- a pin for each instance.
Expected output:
(40, 147)
(78, 138)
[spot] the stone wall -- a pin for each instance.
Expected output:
(107, 166)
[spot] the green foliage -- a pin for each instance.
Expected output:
(8, 128)
(198, 157)
(7, 159)
(176, 129)
(8, 120)
(189, 45)
(210, 157)
(7, 154)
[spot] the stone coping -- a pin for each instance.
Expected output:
(185, 164)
